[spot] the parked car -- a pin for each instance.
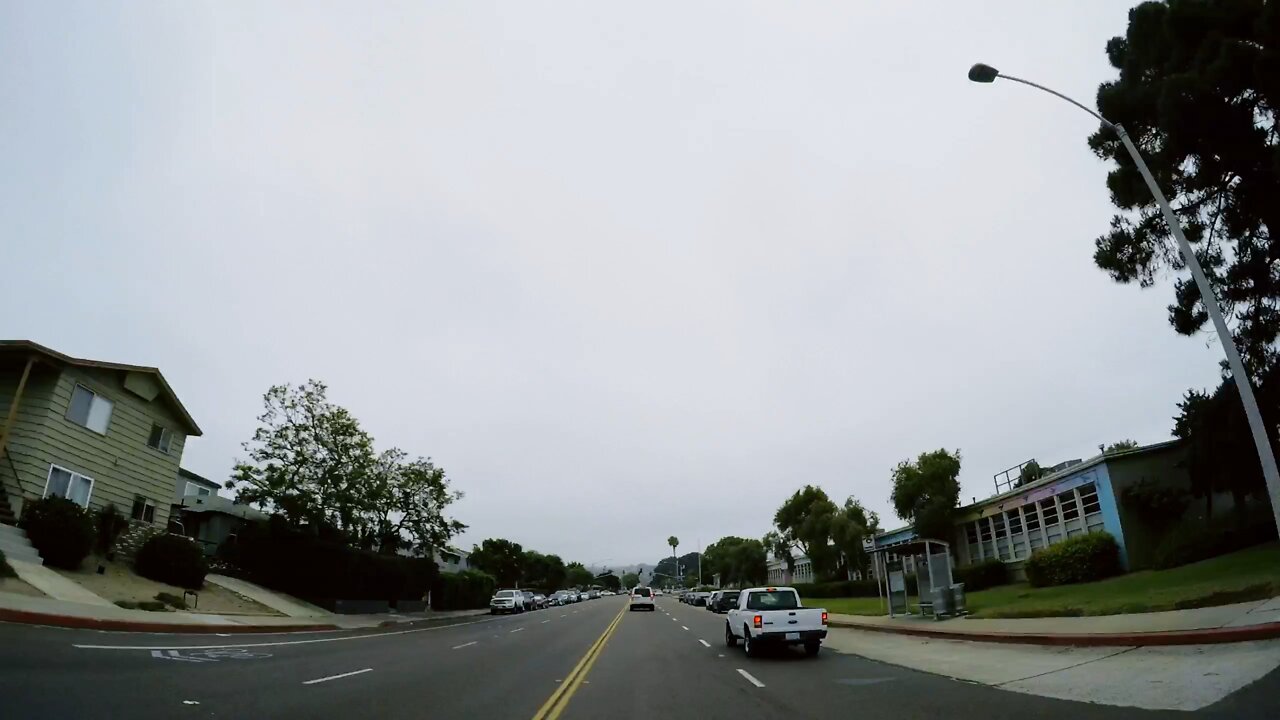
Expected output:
(593, 594)
(539, 601)
(722, 600)
(583, 596)
(642, 598)
(529, 604)
(657, 592)
(774, 616)
(700, 599)
(506, 601)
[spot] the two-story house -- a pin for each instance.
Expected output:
(99, 433)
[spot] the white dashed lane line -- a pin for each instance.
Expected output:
(704, 642)
(459, 647)
(517, 630)
(686, 627)
(750, 678)
(336, 677)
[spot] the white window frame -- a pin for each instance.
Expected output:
(49, 477)
(187, 492)
(97, 396)
(146, 502)
(166, 439)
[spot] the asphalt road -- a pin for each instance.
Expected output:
(589, 660)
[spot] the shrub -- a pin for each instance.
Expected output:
(982, 575)
(60, 530)
(276, 556)
(172, 559)
(464, 590)
(1083, 558)
(172, 600)
(108, 526)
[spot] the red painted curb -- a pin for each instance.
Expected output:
(83, 623)
(1204, 636)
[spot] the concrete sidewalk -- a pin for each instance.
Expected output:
(1256, 620)
(63, 613)
(279, 602)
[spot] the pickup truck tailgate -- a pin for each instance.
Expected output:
(798, 620)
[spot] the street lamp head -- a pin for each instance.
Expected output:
(983, 73)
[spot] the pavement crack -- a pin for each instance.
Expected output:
(1068, 667)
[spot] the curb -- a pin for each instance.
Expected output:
(1202, 636)
(86, 623)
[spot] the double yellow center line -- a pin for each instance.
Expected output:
(559, 699)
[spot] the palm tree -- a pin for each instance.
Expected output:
(674, 542)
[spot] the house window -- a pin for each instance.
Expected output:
(1033, 517)
(194, 489)
(160, 438)
(998, 521)
(89, 409)
(1049, 511)
(1015, 522)
(66, 484)
(1089, 498)
(143, 509)
(1070, 511)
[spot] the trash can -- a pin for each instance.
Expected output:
(942, 601)
(958, 599)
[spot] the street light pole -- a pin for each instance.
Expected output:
(986, 74)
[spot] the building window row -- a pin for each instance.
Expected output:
(1013, 534)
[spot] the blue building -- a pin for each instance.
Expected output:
(1080, 498)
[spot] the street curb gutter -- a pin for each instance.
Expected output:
(1203, 636)
(85, 623)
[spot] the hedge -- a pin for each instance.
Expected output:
(1084, 558)
(464, 590)
(172, 559)
(301, 564)
(846, 588)
(60, 530)
(981, 575)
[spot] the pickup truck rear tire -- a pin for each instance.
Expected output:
(729, 639)
(811, 648)
(751, 648)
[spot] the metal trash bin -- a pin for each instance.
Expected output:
(943, 604)
(958, 606)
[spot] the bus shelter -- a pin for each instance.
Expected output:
(937, 594)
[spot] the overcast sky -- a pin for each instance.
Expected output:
(625, 270)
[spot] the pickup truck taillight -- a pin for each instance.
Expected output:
(824, 617)
(758, 621)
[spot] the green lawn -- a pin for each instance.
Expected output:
(1251, 574)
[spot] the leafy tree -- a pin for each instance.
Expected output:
(1197, 93)
(630, 580)
(1029, 473)
(408, 499)
(502, 559)
(310, 461)
(804, 521)
(1221, 456)
(927, 491)
(610, 582)
(780, 548)
(1118, 446)
(545, 572)
(737, 561)
(578, 576)
(853, 523)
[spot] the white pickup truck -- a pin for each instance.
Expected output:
(773, 616)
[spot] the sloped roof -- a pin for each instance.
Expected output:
(59, 358)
